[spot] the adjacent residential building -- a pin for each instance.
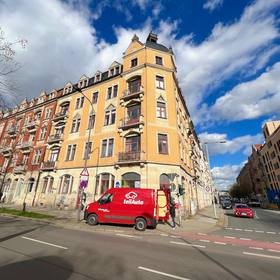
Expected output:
(129, 125)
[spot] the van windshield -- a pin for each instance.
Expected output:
(107, 198)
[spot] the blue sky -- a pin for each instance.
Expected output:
(227, 54)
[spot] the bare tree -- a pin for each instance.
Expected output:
(9, 88)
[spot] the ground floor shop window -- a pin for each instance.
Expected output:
(131, 180)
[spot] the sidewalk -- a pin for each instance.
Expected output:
(203, 221)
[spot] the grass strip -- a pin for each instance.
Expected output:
(25, 214)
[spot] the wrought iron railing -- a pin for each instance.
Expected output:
(131, 156)
(131, 120)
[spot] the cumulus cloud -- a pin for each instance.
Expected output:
(232, 146)
(213, 4)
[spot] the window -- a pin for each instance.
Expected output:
(65, 184)
(94, 97)
(107, 147)
(64, 109)
(133, 144)
(25, 159)
(76, 125)
(87, 150)
(26, 121)
(164, 182)
(112, 72)
(80, 102)
(162, 144)
(45, 184)
(109, 93)
(48, 113)
(131, 180)
(54, 155)
(30, 185)
(105, 183)
(276, 166)
(110, 117)
(133, 114)
(161, 110)
(117, 70)
(36, 158)
(71, 151)
(272, 155)
(50, 185)
(134, 62)
(134, 86)
(159, 82)
(43, 133)
(158, 60)
(115, 93)
(107, 198)
(91, 121)
(97, 78)
(269, 144)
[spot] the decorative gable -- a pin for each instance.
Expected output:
(83, 82)
(42, 96)
(68, 88)
(135, 45)
(23, 104)
(110, 107)
(77, 116)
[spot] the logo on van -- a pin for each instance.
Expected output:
(131, 199)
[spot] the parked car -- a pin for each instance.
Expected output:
(254, 202)
(226, 204)
(243, 210)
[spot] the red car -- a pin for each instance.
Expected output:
(242, 210)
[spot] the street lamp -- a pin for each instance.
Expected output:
(86, 151)
(206, 144)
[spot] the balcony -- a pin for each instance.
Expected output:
(132, 123)
(60, 116)
(7, 151)
(3, 169)
(49, 166)
(13, 131)
(134, 157)
(32, 126)
(26, 147)
(20, 169)
(133, 92)
(55, 138)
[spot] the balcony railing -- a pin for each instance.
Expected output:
(33, 125)
(13, 130)
(132, 121)
(7, 149)
(60, 115)
(20, 169)
(55, 138)
(133, 90)
(49, 165)
(131, 156)
(26, 146)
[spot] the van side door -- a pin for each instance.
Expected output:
(105, 208)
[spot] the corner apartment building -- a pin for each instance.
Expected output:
(130, 124)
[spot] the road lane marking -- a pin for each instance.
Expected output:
(271, 232)
(128, 235)
(277, 242)
(221, 243)
(256, 248)
(230, 237)
(202, 233)
(245, 239)
(264, 256)
(260, 231)
(238, 229)
(248, 230)
(162, 273)
(273, 250)
(204, 240)
(46, 243)
(164, 234)
(174, 236)
(229, 228)
(191, 245)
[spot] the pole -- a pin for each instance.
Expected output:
(86, 155)
(178, 201)
(213, 201)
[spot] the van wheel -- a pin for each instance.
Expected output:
(92, 219)
(140, 224)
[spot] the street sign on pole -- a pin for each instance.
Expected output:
(207, 189)
(84, 172)
(172, 176)
(117, 184)
(83, 184)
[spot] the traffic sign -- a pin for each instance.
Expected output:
(83, 184)
(207, 189)
(84, 172)
(117, 184)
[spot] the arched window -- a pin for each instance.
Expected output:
(65, 184)
(30, 185)
(47, 184)
(131, 180)
(104, 182)
(164, 181)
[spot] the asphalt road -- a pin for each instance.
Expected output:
(31, 250)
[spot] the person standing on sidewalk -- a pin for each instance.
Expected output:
(173, 215)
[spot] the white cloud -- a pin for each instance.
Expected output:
(213, 4)
(232, 146)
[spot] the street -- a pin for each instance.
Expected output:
(34, 250)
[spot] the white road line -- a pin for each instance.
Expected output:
(128, 235)
(271, 232)
(238, 229)
(44, 243)
(229, 228)
(164, 234)
(264, 256)
(248, 230)
(277, 242)
(230, 237)
(257, 248)
(162, 273)
(191, 245)
(202, 233)
(174, 236)
(260, 231)
(273, 250)
(245, 239)
(204, 240)
(221, 243)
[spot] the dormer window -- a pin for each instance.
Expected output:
(117, 70)
(97, 78)
(67, 90)
(112, 72)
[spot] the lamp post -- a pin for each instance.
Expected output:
(86, 151)
(206, 144)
